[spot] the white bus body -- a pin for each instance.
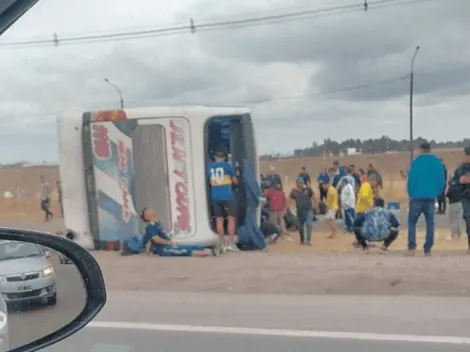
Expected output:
(114, 163)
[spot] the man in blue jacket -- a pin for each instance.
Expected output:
(426, 180)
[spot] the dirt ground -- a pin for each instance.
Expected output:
(389, 165)
(328, 267)
(291, 273)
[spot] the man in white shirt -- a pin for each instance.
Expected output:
(45, 196)
(348, 203)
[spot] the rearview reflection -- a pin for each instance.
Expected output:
(41, 291)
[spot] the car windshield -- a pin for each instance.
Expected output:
(15, 250)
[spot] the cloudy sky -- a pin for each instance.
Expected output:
(336, 74)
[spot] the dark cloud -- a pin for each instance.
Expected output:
(302, 79)
(361, 48)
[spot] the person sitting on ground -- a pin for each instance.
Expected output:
(332, 205)
(377, 224)
(156, 241)
(270, 232)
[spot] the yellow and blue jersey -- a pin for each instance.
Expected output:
(220, 174)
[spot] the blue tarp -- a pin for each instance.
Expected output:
(249, 234)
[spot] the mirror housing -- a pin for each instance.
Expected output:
(89, 270)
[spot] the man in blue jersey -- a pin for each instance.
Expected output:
(156, 241)
(222, 177)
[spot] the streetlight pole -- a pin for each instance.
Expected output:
(121, 99)
(411, 102)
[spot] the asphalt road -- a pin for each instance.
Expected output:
(150, 321)
(151, 341)
(30, 322)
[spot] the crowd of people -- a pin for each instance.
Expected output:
(355, 196)
(343, 193)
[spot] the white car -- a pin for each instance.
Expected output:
(4, 332)
(26, 274)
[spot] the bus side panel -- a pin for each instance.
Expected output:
(110, 176)
(73, 180)
(151, 164)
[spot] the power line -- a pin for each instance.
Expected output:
(333, 91)
(193, 28)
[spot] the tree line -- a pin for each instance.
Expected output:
(380, 145)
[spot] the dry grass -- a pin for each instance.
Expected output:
(389, 165)
(12, 209)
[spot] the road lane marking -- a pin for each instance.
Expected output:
(453, 340)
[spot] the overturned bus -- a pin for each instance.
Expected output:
(114, 163)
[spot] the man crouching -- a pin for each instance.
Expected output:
(375, 225)
(158, 242)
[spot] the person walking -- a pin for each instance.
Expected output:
(426, 180)
(277, 205)
(302, 195)
(45, 197)
(461, 179)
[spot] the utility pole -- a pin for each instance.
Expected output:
(121, 99)
(411, 103)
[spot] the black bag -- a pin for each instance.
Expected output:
(322, 209)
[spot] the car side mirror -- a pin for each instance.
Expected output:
(35, 281)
